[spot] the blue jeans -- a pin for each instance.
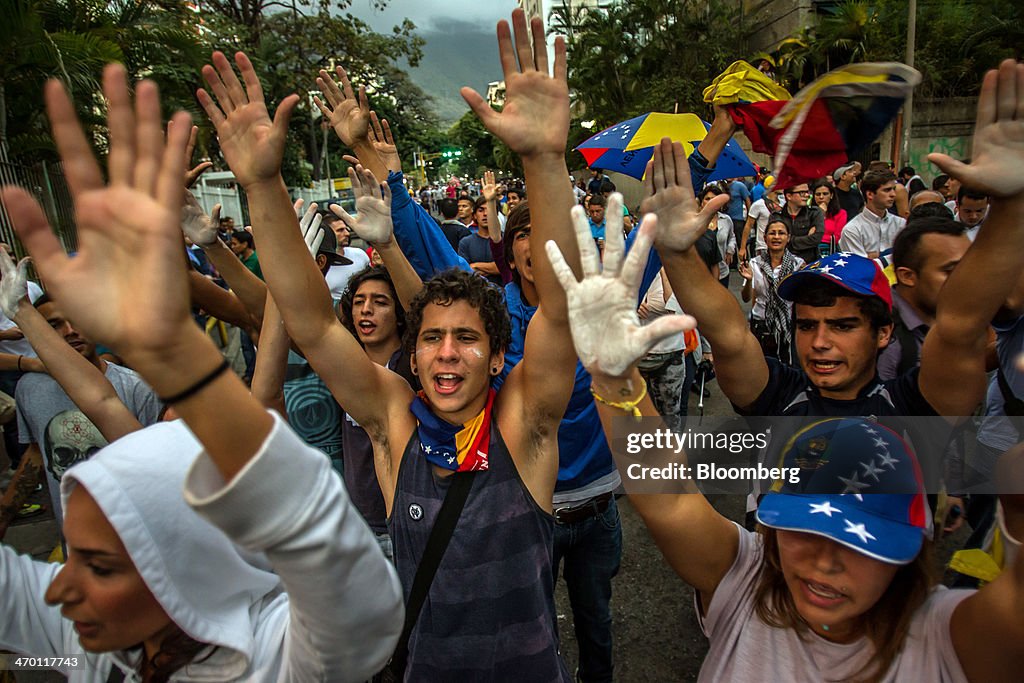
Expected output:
(591, 550)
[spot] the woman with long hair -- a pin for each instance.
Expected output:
(835, 216)
(770, 316)
(835, 583)
(263, 571)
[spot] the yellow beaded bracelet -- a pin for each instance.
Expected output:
(629, 406)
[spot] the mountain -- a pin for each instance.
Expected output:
(462, 54)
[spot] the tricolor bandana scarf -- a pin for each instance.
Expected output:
(463, 449)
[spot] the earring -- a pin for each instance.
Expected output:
(494, 370)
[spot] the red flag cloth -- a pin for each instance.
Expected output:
(817, 151)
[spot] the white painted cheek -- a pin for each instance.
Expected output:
(477, 353)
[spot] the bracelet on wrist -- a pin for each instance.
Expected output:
(628, 406)
(198, 386)
(20, 358)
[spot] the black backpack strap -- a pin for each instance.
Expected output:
(1013, 406)
(437, 543)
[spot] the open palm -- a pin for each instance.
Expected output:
(348, 116)
(373, 206)
(535, 118)
(126, 286)
(669, 196)
(252, 142)
(606, 330)
(997, 156)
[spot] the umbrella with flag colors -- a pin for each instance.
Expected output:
(628, 146)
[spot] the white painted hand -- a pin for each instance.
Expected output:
(602, 307)
(196, 225)
(13, 283)
(309, 224)
(373, 208)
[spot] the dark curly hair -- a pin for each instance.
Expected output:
(458, 285)
(365, 275)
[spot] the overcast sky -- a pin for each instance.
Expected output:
(431, 15)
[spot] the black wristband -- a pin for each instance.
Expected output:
(198, 386)
(19, 363)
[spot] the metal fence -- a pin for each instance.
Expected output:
(45, 181)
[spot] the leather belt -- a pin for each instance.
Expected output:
(592, 508)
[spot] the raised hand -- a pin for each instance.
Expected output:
(535, 118)
(373, 206)
(384, 143)
(192, 174)
(196, 225)
(488, 188)
(252, 143)
(126, 287)
(13, 283)
(349, 117)
(309, 224)
(745, 272)
(669, 196)
(602, 307)
(997, 155)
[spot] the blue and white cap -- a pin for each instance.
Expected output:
(860, 485)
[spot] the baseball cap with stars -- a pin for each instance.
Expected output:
(860, 485)
(860, 275)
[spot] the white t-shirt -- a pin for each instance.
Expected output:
(760, 212)
(338, 276)
(744, 648)
(19, 347)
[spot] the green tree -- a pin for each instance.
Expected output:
(73, 40)
(290, 47)
(476, 143)
(644, 55)
(957, 41)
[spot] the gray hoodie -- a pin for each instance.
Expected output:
(331, 612)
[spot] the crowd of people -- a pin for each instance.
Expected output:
(422, 449)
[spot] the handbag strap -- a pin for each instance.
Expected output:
(437, 543)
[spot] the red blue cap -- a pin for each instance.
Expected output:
(861, 276)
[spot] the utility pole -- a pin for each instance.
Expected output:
(908, 108)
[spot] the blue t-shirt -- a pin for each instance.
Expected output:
(738, 195)
(757, 192)
(477, 249)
